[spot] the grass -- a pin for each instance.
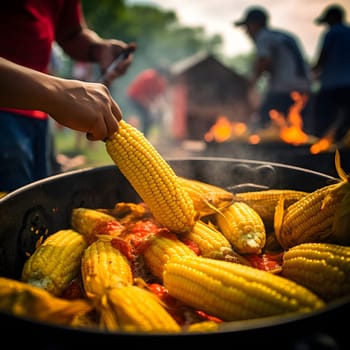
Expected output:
(71, 144)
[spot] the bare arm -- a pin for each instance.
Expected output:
(262, 65)
(83, 44)
(86, 107)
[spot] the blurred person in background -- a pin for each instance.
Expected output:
(279, 57)
(332, 70)
(28, 30)
(147, 95)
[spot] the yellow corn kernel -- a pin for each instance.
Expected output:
(88, 222)
(311, 218)
(134, 309)
(56, 262)
(207, 198)
(25, 300)
(203, 326)
(324, 268)
(152, 178)
(160, 248)
(243, 227)
(211, 242)
(104, 267)
(232, 291)
(264, 202)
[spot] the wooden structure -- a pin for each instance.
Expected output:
(204, 89)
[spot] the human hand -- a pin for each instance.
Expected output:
(107, 51)
(86, 107)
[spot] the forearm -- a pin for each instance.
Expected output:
(21, 87)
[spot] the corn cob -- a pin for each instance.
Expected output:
(104, 267)
(264, 202)
(152, 178)
(317, 216)
(311, 218)
(56, 262)
(324, 268)
(207, 198)
(25, 300)
(134, 309)
(211, 242)
(233, 291)
(243, 227)
(91, 222)
(160, 248)
(204, 326)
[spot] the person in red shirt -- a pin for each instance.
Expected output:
(146, 93)
(28, 29)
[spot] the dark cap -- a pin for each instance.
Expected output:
(333, 13)
(253, 15)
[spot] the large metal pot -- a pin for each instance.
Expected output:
(45, 206)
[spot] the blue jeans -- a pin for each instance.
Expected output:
(24, 150)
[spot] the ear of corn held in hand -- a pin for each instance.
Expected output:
(233, 291)
(243, 227)
(56, 262)
(322, 267)
(152, 178)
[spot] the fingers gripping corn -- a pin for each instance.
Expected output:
(152, 178)
(56, 262)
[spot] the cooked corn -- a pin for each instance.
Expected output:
(311, 218)
(317, 216)
(264, 202)
(152, 178)
(104, 267)
(56, 262)
(207, 198)
(211, 242)
(25, 300)
(243, 227)
(160, 248)
(134, 309)
(233, 291)
(91, 222)
(322, 267)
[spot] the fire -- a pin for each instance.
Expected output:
(321, 145)
(288, 129)
(223, 130)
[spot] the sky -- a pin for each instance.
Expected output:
(217, 17)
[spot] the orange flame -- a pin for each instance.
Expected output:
(223, 130)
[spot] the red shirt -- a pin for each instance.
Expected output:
(146, 87)
(28, 29)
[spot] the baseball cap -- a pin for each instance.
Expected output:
(254, 14)
(331, 12)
